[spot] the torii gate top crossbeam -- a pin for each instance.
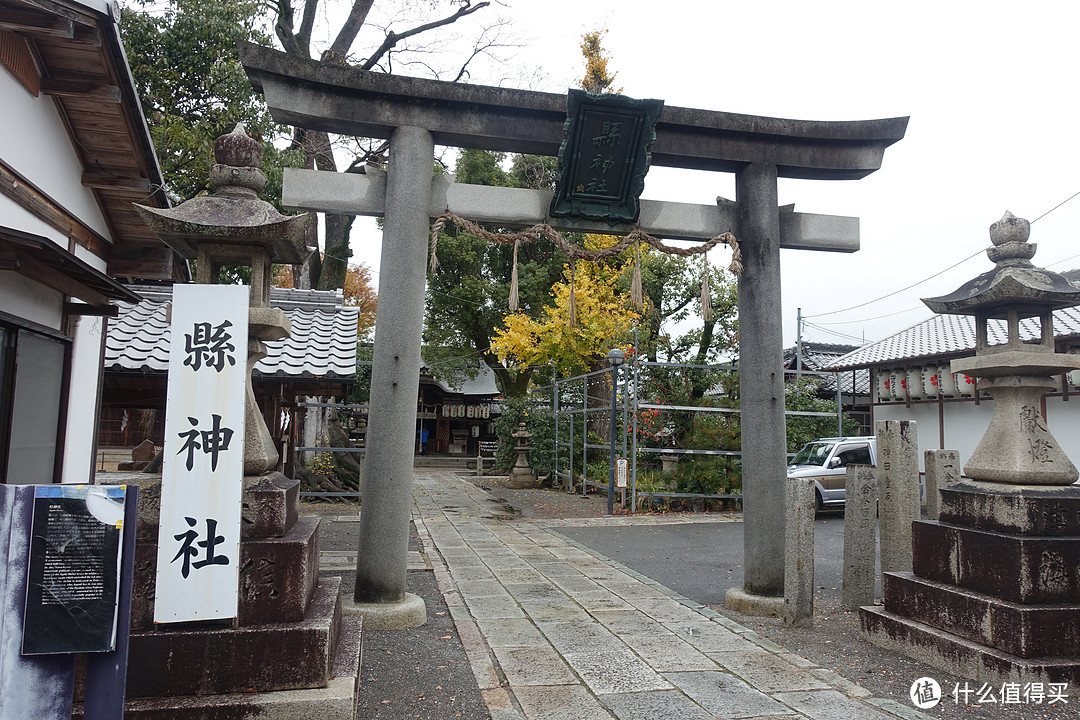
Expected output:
(339, 99)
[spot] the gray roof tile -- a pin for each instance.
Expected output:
(323, 342)
(948, 336)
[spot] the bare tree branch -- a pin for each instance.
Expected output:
(303, 38)
(393, 38)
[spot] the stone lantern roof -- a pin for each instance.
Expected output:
(234, 215)
(1014, 284)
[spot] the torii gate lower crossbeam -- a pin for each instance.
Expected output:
(418, 113)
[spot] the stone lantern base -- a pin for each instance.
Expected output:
(291, 653)
(995, 590)
(522, 478)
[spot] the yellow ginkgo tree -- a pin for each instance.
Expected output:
(604, 318)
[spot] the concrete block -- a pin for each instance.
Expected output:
(799, 553)
(942, 471)
(898, 491)
(860, 537)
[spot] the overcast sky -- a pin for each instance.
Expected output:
(989, 86)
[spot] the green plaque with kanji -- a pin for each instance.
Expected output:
(604, 156)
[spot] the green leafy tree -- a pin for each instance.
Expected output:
(193, 88)
(468, 297)
(803, 394)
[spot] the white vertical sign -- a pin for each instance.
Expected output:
(203, 470)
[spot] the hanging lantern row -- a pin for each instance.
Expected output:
(636, 237)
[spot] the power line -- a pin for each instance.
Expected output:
(879, 317)
(897, 292)
(832, 332)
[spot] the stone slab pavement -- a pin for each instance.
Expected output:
(554, 631)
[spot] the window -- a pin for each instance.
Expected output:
(33, 391)
(857, 455)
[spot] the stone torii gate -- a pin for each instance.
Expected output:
(415, 114)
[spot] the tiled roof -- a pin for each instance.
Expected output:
(323, 342)
(948, 336)
(818, 356)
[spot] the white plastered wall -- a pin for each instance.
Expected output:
(34, 143)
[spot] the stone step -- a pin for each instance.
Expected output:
(277, 577)
(1023, 569)
(336, 701)
(257, 658)
(1021, 630)
(444, 461)
(959, 656)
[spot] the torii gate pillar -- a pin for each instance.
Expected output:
(757, 149)
(761, 338)
(395, 379)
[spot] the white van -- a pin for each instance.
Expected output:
(826, 461)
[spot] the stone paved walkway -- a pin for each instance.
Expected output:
(555, 631)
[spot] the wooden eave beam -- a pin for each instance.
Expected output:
(38, 271)
(71, 308)
(48, 210)
(116, 181)
(79, 85)
(35, 23)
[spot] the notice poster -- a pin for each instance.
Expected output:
(74, 569)
(202, 473)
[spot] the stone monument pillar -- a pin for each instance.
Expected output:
(206, 669)
(994, 594)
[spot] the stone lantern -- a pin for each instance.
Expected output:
(994, 589)
(1018, 447)
(234, 227)
(522, 475)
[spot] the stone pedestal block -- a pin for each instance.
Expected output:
(1027, 631)
(335, 701)
(935, 549)
(961, 656)
(1013, 509)
(277, 577)
(1018, 568)
(271, 505)
(275, 656)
